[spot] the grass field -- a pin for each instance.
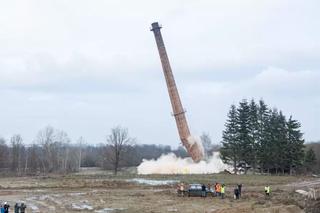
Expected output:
(99, 191)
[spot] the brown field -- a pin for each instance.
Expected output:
(97, 191)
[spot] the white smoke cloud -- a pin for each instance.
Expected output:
(171, 164)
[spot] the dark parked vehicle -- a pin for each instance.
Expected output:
(195, 190)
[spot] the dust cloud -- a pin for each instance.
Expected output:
(196, 140)
(171, 164)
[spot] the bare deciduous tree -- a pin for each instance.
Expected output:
(46, 139)
(117, 143)
(57, 155)
(207, 144)
(34, 159)
(81, 142)
(17, 153)
(62, 141)
(4, 153)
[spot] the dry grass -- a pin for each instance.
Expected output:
(104, 190)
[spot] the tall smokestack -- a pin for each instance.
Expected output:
(192, 147)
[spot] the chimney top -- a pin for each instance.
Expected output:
(155, 26)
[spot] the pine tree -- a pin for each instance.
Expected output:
(295, 153)
(244, 138)
(281, 143)
(253, 133)
(262, 140)
(309, 159)
(230, 146)
(268, 150)
(256, 135)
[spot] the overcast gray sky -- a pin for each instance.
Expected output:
(84, 66)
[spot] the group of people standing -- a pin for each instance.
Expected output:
(4, 208)
(217, 189)
(17, 208)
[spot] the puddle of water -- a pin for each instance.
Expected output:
(47, 198)
(44, 197)
(108, 210)
(31, 198)
(153, 182)
(305, 193)
(57, 195)
(81, 207)
(77, 193)
(33, 208)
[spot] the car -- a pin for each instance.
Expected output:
(211, 192)
(195, 190)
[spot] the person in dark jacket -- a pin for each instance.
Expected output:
(203, 189)
(16, 208)
(23, 208)
(6, 207)
(236, 193)
(239, 189)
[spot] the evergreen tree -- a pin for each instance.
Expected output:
(273, 142)
(244, 138)
(230, 145)
(269, 156)
(253, 133)
(256, 135)
(281, 143)
(309, 159)
(262, 134)
(295, 153)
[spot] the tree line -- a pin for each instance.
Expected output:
(255, 136)
(261, 138)
(52, 151)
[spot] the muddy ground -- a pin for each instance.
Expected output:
(102, 192)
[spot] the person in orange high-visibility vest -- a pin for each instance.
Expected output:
(219, 189)
(215, 189)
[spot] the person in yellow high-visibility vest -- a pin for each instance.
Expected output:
(267, 190)
(222, 191)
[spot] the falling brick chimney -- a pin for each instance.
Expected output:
(194, 149)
